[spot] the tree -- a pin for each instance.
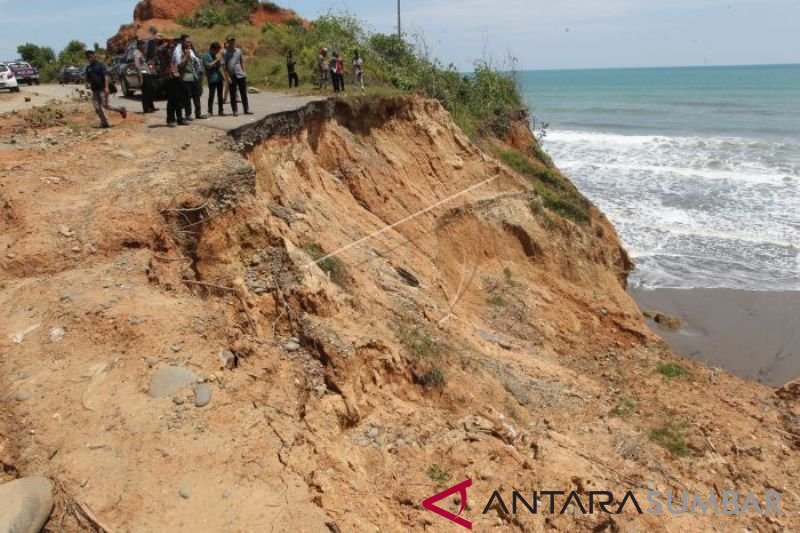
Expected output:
(73, 54)
(38, 56)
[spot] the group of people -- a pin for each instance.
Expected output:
(181, 69)
(176, 66)
(332, 69)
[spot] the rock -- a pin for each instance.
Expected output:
(253, 90)
(501, 340)
(667, 321)
(175, 348)
(169, 380)
(177, 400)
(124, 154)
(790, 391)
(229, 359)
(26, 504)
(56, 335)
(291, 346)
(21, 396)
(373, 432)
(202, 395)
(65, 231)
(185, 493)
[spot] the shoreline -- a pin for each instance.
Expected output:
(753, 334)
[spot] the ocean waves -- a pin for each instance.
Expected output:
(694, 211)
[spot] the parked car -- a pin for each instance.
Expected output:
(8, 80)
(24, 72)
(123, 71)
(71, 74)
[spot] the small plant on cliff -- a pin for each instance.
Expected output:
(672, 436)
(332, 266)
(438, 474)
(497, 301)
(671, 370)
(418, 342)
(626, 407)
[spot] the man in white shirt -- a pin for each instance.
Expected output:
(146, 78)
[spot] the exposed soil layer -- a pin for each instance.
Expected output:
(487, 338)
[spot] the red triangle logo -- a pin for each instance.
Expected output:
(461, 488)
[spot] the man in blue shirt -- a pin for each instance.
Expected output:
(97, 77)
(212, 60)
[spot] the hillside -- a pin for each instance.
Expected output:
(488, 338)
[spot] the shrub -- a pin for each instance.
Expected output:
(671, 370)
(626, 407)
(332, 266)
(418, 342)
(672, 436)
(497, 301)
(438, 474)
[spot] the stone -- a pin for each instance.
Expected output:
(228, 359)
(501, 340)
(21, 396)
(790, 391)
(408, 277)
(26, 504)
(56, 335)
(202, 395)
(291, 346)
(185, 493)
(373, 432)
(668, 322)
(168, 380)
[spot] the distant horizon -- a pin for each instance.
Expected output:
(731, 65)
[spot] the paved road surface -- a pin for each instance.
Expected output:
(262, 104)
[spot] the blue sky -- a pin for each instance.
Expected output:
(541, 34)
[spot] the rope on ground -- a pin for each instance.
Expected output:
(401, 222)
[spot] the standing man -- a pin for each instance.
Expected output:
(234, 64)
(97, 77)
(212, 60)
(180, 59)
(168, 75)
(322, 68)
(291, 66)
(146, 77)
(191, 78)
(358, 70)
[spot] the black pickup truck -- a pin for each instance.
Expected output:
(24, 72)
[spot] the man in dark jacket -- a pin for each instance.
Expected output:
(97, 78)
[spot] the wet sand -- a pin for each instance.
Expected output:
(755, 335)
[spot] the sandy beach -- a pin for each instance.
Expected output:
(755, 335)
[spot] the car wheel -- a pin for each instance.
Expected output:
(36, 82)
(15, 89)
(123, 84)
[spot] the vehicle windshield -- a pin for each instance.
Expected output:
(3, 68)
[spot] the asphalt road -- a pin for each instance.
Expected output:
(262, 105)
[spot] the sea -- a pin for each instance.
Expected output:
(698, 167)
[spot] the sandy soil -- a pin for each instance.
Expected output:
(488, 339)
(755, 335)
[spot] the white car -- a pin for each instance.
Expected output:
(7, 79)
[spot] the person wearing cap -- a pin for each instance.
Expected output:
(234, 65)
(97, 77)
(322, 68)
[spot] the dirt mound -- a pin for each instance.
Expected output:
(378, 309)
(165, 9)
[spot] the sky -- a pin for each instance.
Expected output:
(540, 34)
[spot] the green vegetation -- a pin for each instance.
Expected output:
(432, 378)
(332, 266)
(672, 436)
(418, 342)
(671, 370)
(218, 13)
(497, 301)
(626, 407)
(438, 474)
(558, 196)
(46, 61)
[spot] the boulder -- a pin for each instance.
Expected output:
(25, 504)
(790, 391)
(169, 380)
